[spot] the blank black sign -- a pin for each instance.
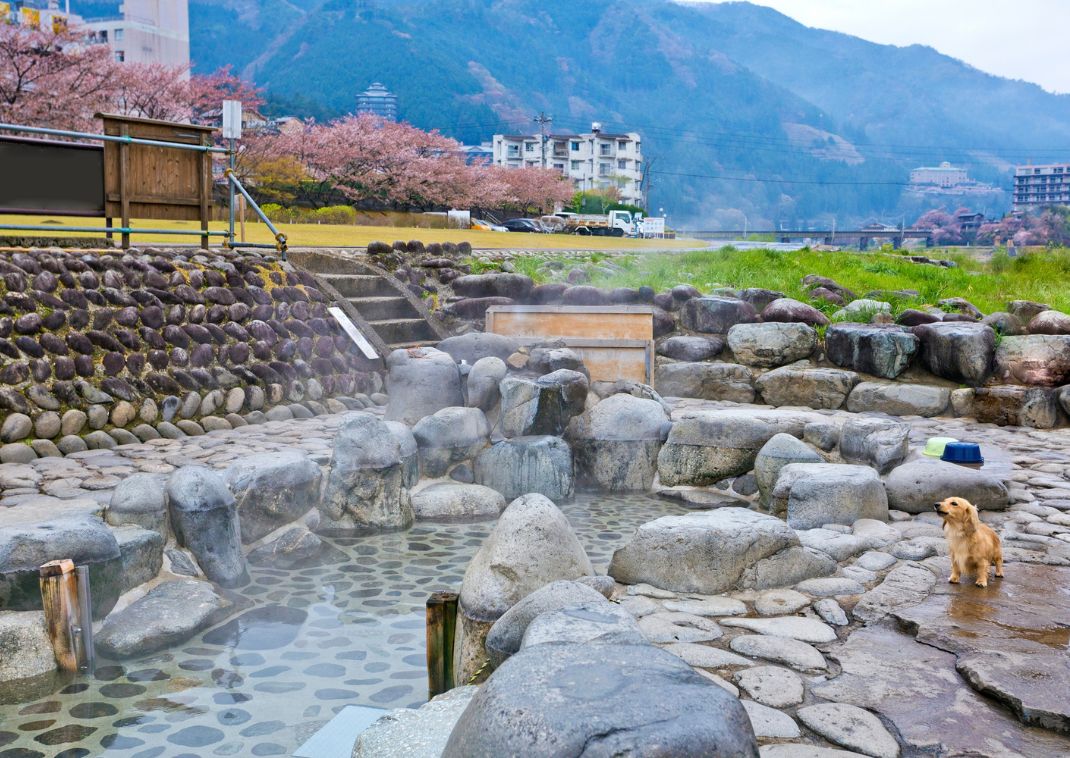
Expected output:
(44, 177)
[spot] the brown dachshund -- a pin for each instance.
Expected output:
(973, 545)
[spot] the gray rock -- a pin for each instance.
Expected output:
(880, 443)
(916, 485)
(878, 349)
(708, 552)
(71, 444)
(850, 726)
(364, 489)
(772, 344)
(25, 648)
(495, 284)
(204, 516)
(771, 685)
(777, 453)
(505, 636)
(547, 359)
(708, 447)
(483, 380)
(716, 315)
(410, 452)
(961, 352)
(812, 388)
(824, 435)
(18, 452)
(272, 489)
(785, 309)
(453, 501)
(73, 422)
(622, 699)
(1037, 359)
(1026, 310)
(475, 346)
(1050, 322)
(46, 449)
(905, 585)
(795, 653)
(705, 656)
(898, 399)
(690, 348)
(1011, 405)
(616, 443)
(167, 615)
(140, 500)
(141, 551)
(707, 381)
(780, 602)
(541, 406)
(292, 547)
(517, 466)
(793, 627)
(1004, 324)
(814, 494)
(17, 426)
(678, 627)
(415, 732)
(419, 382)
(861, 310)
(592, 622)
(449, 436)
(769, 723)
(831, 612)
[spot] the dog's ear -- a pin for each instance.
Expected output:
(972, 520)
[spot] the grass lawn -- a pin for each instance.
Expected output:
(329, 235)
(1042, 275)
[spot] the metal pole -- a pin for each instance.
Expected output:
(105, 230)
(280, 238)
(233, 156)
(110, 138)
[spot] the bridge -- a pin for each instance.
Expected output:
(860, 237)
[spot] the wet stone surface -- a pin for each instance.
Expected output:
(313, 641)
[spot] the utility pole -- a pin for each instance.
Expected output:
(543, 121)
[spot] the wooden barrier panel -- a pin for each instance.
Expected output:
(615, 341)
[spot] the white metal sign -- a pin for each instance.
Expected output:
(232, 119)
(354, 333)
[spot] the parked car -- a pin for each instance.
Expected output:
(523, 225)
(486, 226)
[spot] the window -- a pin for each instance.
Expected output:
(622, 164)
(120, 56)
(576, 165)
(118, 35)
(559, 166)
(529, 147)
(604, 149)
(603, 169)
(622, 144)
(575, 146)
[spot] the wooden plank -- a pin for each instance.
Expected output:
(59, 599)
(124, 189)
(552, 324)
(441, 626)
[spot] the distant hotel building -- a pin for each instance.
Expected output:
(377, 100)
(1036, 187)
(945, 175)
(592, 161)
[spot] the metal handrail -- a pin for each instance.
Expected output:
(280, 238)
(110, 138)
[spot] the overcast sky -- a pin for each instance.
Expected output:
(1019, 39)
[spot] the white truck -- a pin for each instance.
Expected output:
(612, 224)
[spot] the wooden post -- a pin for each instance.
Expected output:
(124, 190)
(59, 598)
(441, 625)
(205, 189)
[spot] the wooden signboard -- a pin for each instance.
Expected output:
(51, 177)
(148, 182)
(614, 342)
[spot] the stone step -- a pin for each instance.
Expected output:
(383, 308)
(361, 285)
(403, 331)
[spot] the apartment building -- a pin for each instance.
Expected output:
(1036, 187)
(593, 160)
(146, 31)
(945, 175)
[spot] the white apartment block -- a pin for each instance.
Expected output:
(1037, 187)
(591, 161)
(148, 31)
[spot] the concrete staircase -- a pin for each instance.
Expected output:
(396, 317)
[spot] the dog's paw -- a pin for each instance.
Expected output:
(999, 575)
(981, 582)
(952, 580)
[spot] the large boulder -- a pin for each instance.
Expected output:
(505, 636)
(716, 315)
(168, 615)
(616, 443)
(420, 381)
(288, 548)
(786, 310)
(515, 286)
(898, 399)
(449, 436)
(141, 500)
(809, 387)
(48, 529)
(141, 552)
(548, 358)
(365, 488)
(541, 406)
(690, 348)
(452, 501)
(916, 485)
(595, 622)
(1026, 310)
(716, 551)
(483, 380)
(861, 310)
(815, 494)
(415, 732)
(1013, 405)
(549, 701)
(25, 648)
(778, 452)
(520, 465)
(876, 442)
(707, 447)
(531, 545)
(410, 452)
(878, 349)
(204, 516)
(1050, 322)
(1038, 359)
(707, 381)
(475, 346)
(959, 351)
(272, 489)
(771, 345)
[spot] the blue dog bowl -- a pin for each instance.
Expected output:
(963, 453)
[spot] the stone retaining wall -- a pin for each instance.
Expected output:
(107, 347)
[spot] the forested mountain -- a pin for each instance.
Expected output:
(727, 96)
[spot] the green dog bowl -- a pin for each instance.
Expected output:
(935, 446)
